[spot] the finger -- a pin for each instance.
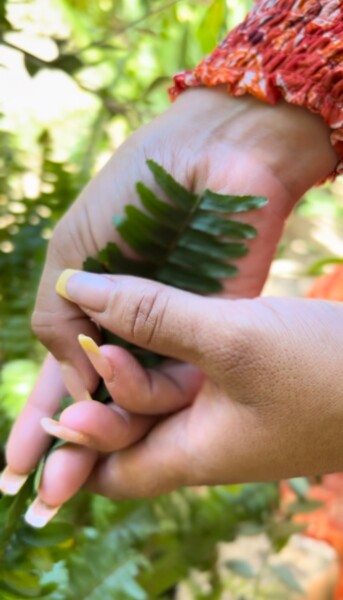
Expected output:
(105, 428)
(65, 472)
(167, 388)
(154, 316)
(58, 327)
(22, 454)
(156, 465)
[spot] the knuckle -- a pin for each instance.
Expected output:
(41, 327)
(145, 318)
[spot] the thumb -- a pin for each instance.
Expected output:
(160, 318)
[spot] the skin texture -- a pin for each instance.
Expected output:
(271, 403)
(205, 139)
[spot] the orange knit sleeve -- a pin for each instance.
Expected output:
(284, 48)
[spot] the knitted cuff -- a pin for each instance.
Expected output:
(284, 48)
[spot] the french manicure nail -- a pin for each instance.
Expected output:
(58, 430)
(61, 285)
(11, 482)
(89, 290)
(39, 514)
(74, 384)
(98, 359)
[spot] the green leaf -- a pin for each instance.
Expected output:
(211, 25)
(164, 213)
(241, 568)
(19, 582)
(318, 268)
(286, 575)
(189, 259)
(210, 223)
(93, 266)
(33, 65)
(188, 280)
(174, 191)
(231, 204)
(142, 244)
(204, 243)
(53, 534)
(113, 261)
(299, 485)
(67, 62)
(146, 226)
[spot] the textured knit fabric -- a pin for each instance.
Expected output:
(284, 48)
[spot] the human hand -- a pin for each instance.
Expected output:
(206, 139)
(270, 407)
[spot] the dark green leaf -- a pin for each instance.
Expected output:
(204, 243)
(146, 248)
(174, 191)
(164, 213)
(212, 224)
(146, 227)
(115, 262)
(231, 204)
(188, 280)
(32, 65)
(93, 266)
(189, 259)
(67, 62)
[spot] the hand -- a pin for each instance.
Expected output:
(206, 139)
(271, 406)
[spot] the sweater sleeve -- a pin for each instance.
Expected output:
(284, 48)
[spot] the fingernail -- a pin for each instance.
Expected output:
(39, 513)
(74, 384)
(11, 482)
(62, 282)
(58, 430)
(98, 359)
(89, 290)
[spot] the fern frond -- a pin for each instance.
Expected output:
(184, 242)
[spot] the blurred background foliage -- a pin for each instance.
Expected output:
(76, 77)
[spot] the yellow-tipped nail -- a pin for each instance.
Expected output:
(11, 482)
(98, 359)
(88, 344)
(66, 434)
(39, 514)
(61, 284)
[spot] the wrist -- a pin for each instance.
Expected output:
(290, 141)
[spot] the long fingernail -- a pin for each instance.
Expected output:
(62, 282)
(74, 384)
(98, 359)
(39, 514)
(11, 482)
(58, 430)
(89, 290)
